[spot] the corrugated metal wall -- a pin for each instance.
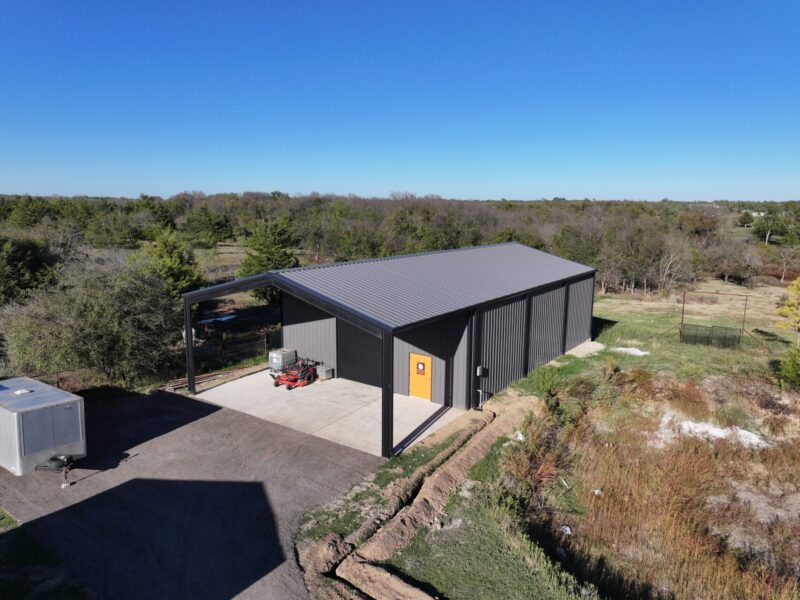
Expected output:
(359, 354)
(460, 369)
(502, 343)
(444, 340)
(579, 320)
(547, 326)
(309, 330)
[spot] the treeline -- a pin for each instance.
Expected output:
(635, 245)
(95, 282)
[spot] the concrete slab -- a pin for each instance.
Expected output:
(338, 410)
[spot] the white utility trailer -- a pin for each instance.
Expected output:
(40, 426)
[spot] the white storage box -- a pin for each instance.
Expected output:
(282, 358)
(38, 422)
(324, 373)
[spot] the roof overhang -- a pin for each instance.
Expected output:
(275, 280)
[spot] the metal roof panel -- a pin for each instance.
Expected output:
(401, 290)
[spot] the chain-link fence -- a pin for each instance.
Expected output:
(722, 337)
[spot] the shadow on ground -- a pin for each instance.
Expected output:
(768, 336)
(204, 540)
(599, 325)
(118, 424)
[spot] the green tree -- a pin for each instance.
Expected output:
(173, 261)
(113, 228)
(28, 211)
(790, 308)
(745, 219)
(514, 235)
(121, 326)
(24, 264)
(206, 228)
(269, 248)
(773, 222)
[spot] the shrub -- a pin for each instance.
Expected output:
(790, 368)
(123, 326)
(24, 264)
(546, 382)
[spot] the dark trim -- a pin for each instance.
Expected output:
(305, 294)
(387, 395)
(420, 429)
(526, 346)
(475, 353)
(470, 368)
(591, 317)
(566, 320)
(189, 342)
(229, 287)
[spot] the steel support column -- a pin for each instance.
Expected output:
(387, 395)
(189, 339)
(566, 319)
(526, 362)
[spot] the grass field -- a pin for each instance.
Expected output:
(617, 488)
(480, 550)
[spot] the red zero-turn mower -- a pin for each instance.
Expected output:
(301, 373)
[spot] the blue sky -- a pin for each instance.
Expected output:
(621, 99)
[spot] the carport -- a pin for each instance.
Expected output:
(338, 410)
(451, 327)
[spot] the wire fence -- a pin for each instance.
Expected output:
(221, 353)
(722, 337)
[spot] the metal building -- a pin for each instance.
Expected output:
(452, 327)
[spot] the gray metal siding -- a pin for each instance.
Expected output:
(402, 349)
(445, 341)
(547, 326)
(579, 319)
(502, 343)
(460, 369)
(401, 290)
(309, 330)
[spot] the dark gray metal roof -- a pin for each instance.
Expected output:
(397, 291)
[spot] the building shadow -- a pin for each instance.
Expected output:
(599, 325)
(151, 538)
(116, 425)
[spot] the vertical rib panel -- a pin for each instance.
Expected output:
(547, 326)
(579, 320)
(502, 343)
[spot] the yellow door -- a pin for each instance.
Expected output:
(419, 376)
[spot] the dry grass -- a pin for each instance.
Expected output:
(665, 522)
(644, 522)
(688, 399)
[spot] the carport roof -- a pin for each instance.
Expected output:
(398, 291)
